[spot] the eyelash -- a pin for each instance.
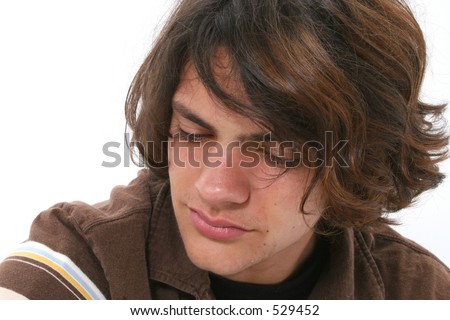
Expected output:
(286, 162)
(279, 161)
(192, 137)
(195, 138)
(273, 158)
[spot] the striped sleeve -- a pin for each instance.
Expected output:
(56, 263)
(57, 268)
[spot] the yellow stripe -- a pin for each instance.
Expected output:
(57, 268)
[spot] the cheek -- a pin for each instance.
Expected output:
(184, 155)
(283, 219)
(182, 174)
(286, 224)
(287, 231)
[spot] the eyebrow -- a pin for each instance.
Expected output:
(189, 115)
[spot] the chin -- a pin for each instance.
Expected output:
(220, 259)
(224, 270)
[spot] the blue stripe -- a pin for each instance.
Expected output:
(64, 266)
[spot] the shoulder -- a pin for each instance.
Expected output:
(126, 213)
(407, 270)
(129, 202)
(80, 251)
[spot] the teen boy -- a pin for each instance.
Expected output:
(278, 135)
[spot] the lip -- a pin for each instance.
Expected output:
(216, 229)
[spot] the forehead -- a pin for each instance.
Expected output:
(224, 73)
(193, 97)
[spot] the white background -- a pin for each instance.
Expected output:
(219, 309)
(65, 68)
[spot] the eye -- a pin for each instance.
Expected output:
(273, 159)
(191, 136)
(281, 157)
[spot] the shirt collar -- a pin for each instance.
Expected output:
(168, 261)
(351, 272)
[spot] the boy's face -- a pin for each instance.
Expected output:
(239, 222)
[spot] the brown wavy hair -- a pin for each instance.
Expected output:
(350, 67)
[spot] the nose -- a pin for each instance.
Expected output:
(224, 183)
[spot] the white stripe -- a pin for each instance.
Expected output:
(66, 263)
(39, 267)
